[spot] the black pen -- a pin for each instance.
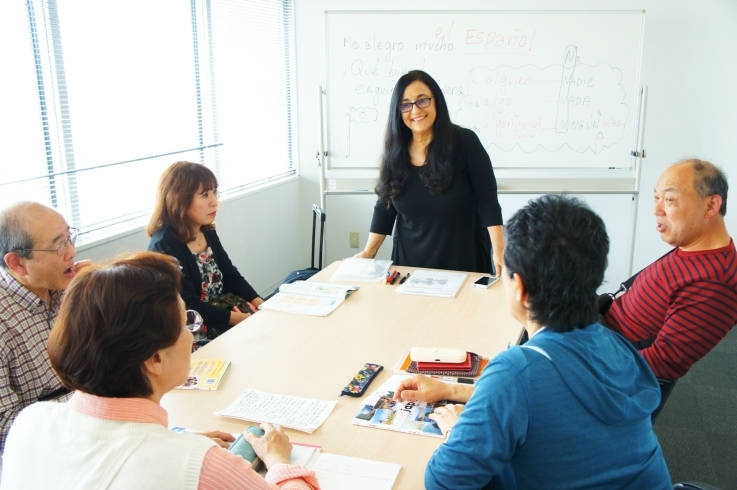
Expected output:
(404, 279)
(395, 278)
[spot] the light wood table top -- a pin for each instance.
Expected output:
(315, 357)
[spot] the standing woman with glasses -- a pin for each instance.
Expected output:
(121, 342)
(436, 188)
(183, 225)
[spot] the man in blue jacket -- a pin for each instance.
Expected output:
(571, 408)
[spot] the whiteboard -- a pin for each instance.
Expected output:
(548, 90)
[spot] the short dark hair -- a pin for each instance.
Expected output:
(174, 195)
(559, 248)
(395, 163)
(112, 319)
(709, 180)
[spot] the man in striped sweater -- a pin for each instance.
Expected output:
(682, 305)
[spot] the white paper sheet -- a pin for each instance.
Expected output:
(362, 270)
(318, 289)
(304, 305)
(302, 453)
(302, 414)
(335, 472)
(433, 283)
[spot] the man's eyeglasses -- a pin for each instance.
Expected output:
(194, 321)
(59, 248)
(421, 103)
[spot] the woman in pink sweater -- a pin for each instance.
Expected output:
(122, 342)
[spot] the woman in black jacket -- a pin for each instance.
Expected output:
(183, 225)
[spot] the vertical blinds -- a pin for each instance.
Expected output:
(105, 95)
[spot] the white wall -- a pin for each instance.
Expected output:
(689, 63)
(259, 230)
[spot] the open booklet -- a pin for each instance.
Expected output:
(381, 411)
(433, 283)
(308, 298)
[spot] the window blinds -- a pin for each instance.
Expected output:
(105, 95)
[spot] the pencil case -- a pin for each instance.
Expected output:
(362, 379)
(243, 448)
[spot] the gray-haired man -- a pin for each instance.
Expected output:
(37, 250)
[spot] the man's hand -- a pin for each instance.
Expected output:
(447, 416)
(422, 388)
(430, 390)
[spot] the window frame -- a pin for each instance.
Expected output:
(54, 113)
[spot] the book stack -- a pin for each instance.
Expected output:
(471, 367)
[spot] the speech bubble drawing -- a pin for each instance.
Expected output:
(573, 105)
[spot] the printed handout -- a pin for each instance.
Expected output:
(433, 283)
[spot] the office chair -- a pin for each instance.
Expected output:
(693, 485)
(666, 386)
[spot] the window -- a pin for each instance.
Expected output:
(105, 95)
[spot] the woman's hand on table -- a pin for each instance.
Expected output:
(273, 447)
(222, 439)
(498, 258)
(237, 316)
(447, 416)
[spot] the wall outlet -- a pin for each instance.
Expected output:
(353, 235)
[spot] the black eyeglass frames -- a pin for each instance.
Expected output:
(421, 103)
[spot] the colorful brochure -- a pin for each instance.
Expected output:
(205, 374)
(381, 411)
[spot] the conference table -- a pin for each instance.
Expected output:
(315, 357)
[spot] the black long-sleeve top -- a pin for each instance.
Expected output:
(233, 282)
(446, 230)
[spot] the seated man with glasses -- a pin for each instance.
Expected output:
(37, 248)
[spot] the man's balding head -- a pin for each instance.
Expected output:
(709, 180)
(19, 227)
(690, 203)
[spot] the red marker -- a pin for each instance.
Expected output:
(392, 277)
(395, 278)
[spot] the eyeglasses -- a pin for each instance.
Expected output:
(194, 321)
(421, 103)
(59, 248)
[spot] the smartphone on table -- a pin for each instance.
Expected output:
(485, 282)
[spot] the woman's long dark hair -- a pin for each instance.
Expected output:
(395, 162)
